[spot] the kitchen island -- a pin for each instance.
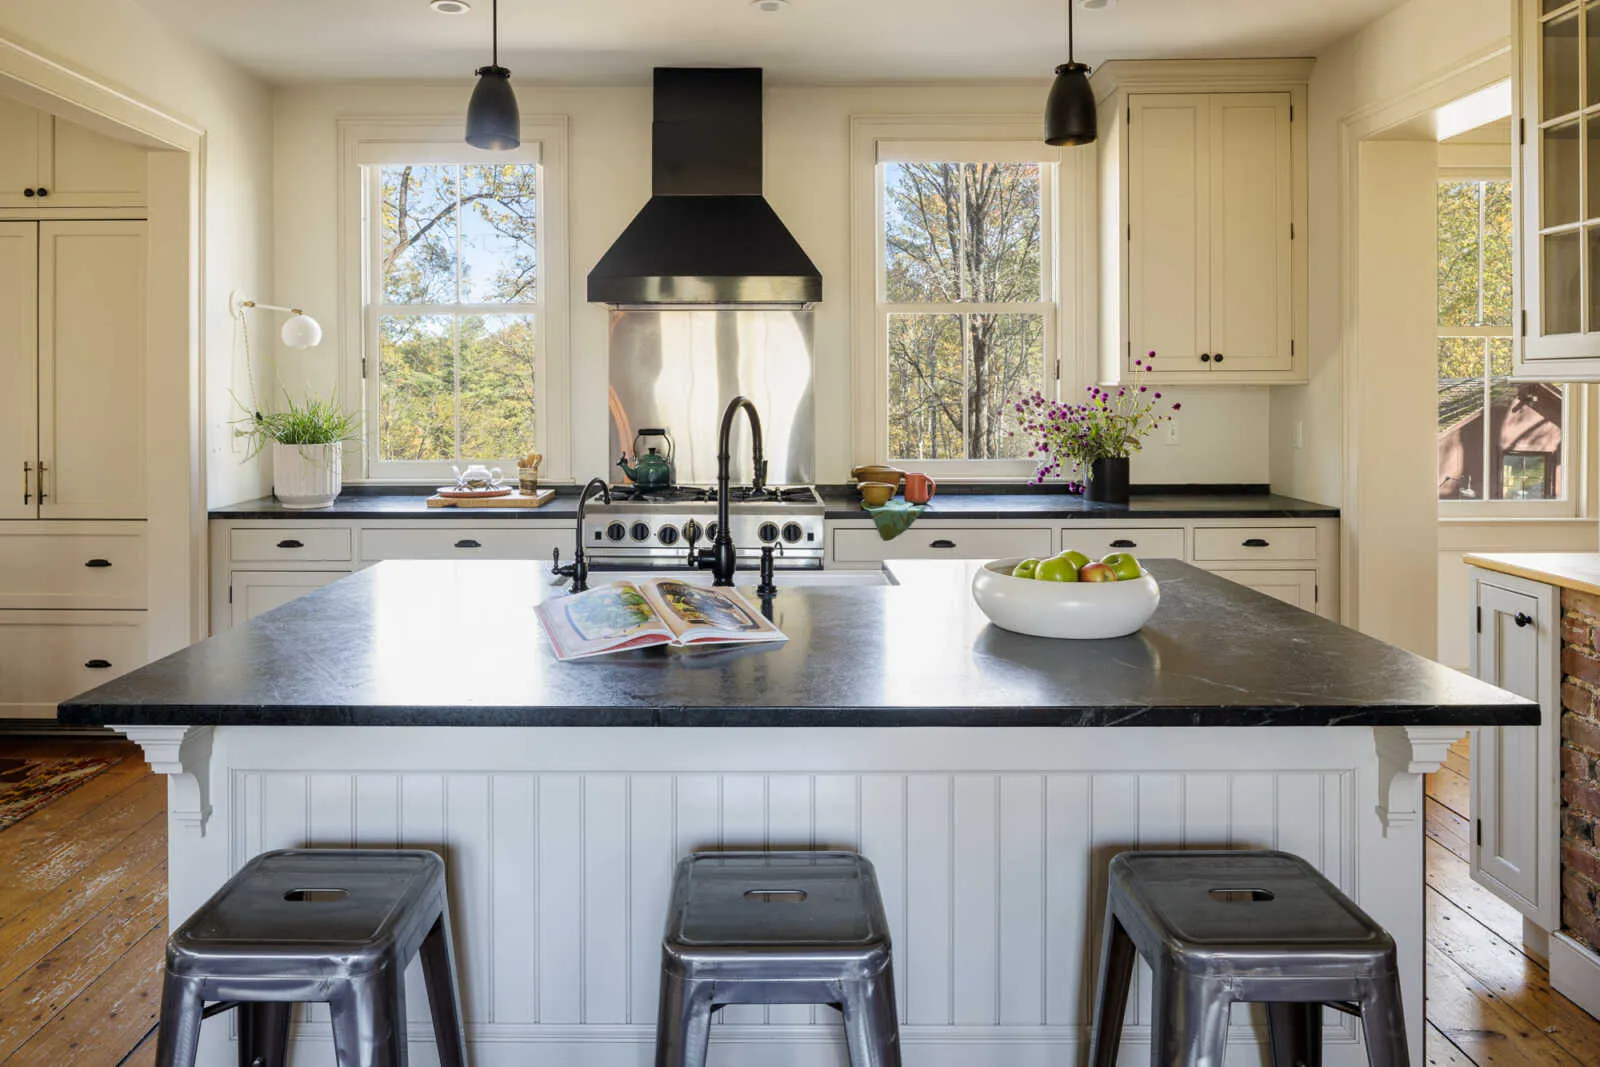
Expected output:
(989, 776)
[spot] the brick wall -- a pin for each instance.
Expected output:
(1580, 765)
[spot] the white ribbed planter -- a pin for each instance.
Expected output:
(307, 476)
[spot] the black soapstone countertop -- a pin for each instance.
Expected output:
(441, 643)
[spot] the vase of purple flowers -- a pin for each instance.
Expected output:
(1093, 439)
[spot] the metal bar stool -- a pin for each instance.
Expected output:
(776, 928)
(1257, 927)
(333, 925)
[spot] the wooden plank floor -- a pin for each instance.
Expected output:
(83, 921)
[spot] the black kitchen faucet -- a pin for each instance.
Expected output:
(578, 569)
(721, 558)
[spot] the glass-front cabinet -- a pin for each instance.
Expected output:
(1558, 178)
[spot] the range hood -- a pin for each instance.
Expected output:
(706, 236)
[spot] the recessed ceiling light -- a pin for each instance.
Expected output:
(450, 7)
(769, 5)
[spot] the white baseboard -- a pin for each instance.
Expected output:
(1536, 941)
(1575, 973)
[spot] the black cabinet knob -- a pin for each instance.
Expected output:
(1205, 357)
(1123, 542)
(98, 664)
(290, 542)
(1522, 618)
(467, 542)
(942, 542)
(1257, 542)
(43, 192)
(29, 193)
(1217, 357)
(98, 563)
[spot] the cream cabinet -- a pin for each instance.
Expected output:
(52, 163)
(48, 656)
(72, 363)
(1203, 203)
(1515, 797)
(251, 593)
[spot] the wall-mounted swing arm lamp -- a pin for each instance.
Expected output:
(300, 331)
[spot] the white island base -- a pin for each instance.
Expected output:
(991, 846)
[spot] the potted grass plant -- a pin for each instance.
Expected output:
(307, 439)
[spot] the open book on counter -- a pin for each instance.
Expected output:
(662, 611)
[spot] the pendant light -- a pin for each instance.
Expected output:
(493, 121)
(1069, 113)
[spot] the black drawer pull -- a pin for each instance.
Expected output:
(1123, 542)
(467, 542)
(98, 664)
(98, 563)
(942, 542)
(1257, 542)
(290, 542)
(1522, 618)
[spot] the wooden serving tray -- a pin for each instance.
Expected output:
(516, 499)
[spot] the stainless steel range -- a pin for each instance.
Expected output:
(655, 529)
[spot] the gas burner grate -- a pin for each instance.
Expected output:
(792, 494)
(678, 494)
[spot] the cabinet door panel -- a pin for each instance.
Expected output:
(25, 134)
(1506, 764)
(90, 170)
(256, 592)
(46, 656)
(1252, 208)
(19, 361)
(1169, 210)
(1292, 587)
(91, 369)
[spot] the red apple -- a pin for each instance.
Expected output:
(1097, 572)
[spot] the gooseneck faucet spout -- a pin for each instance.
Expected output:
(722, 558)
(578, 569)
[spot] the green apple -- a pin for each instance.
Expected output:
(1056, 569)
(1124, 566)
(1026, 569)
(1076, 558)
(1096, 572)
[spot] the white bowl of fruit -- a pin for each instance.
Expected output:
(1068, 595)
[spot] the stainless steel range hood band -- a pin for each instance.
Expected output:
(713, 289)
(735, 305)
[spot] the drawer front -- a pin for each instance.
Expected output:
(1241, 543)
(502, 541)
(933, 542)
(1292, 587)
(290, 545)
(254, 593)
(46, 657)
(1096, 541)
(73, 569)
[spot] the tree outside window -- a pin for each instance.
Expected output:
(963, 305)
(1499, 439)
(456, 293)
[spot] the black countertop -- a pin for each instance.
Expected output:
(842, 502)
(376, 648)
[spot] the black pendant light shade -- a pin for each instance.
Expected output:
(493, 121)
(1069, 113)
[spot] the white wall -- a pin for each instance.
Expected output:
(116, 43)
(1223, 430)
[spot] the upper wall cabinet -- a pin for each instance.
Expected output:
(1203, 200)
(46, 162)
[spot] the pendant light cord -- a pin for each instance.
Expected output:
(494, 16)
(1071, 57)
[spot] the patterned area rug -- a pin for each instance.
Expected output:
(26, 785)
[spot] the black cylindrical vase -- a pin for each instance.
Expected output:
(1108, 480)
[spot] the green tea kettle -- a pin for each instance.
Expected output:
(651, 470)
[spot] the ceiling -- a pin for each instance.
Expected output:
(812, 41)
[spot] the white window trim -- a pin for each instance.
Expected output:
(1475, 163)
(365, 142)
(1068, 236)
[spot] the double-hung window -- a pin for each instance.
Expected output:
(965, 318)
(1502, 443)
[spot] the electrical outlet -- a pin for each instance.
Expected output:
(1299, 438)
(1172, 432)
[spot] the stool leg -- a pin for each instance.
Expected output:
(178, 1039)
(1295, 1033)
(369, 1022)
(264, 1034)
(683, 1023)
(1117, 955)
(1383, 1024)
(444, 1003)
(1189, 1026)
(870, 1025)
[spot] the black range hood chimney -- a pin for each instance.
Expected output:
(706, 236)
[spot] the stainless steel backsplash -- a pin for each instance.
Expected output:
(679, 368)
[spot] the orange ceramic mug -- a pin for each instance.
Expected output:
(920, 488)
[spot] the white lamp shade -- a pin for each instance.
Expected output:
(302, 331)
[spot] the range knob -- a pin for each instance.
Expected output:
(667, 535)
(692, 531)
(792, 532)
(616, 531)
(711, 531)
(768, 532)
(640, 531)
